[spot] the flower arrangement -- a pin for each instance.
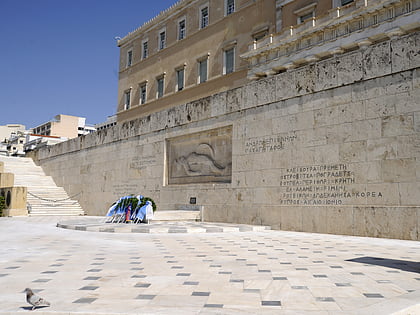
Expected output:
(132, 208)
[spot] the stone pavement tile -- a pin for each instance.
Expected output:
(129, 259)
(234, 299)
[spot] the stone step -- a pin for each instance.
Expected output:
(44, 197)
(177, 215)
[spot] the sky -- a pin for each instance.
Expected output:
(61, 56)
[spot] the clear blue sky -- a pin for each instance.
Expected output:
(60, 56)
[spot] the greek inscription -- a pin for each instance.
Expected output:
(268, 144)
(124, 189)
(142, 163)
(321, 185)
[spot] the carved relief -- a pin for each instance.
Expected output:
(203, 157)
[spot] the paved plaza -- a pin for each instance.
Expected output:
(201, 268)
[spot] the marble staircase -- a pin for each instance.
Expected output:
(44, 196)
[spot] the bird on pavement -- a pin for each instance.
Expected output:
(35, 300)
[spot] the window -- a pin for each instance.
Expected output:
(230, 6)
(204, 17)
(305, 13)
(180, 74)
(344, 2)
(202, 71)
(127, 99)
(143, 95)
(129, 58)
(303, 18)
(182, 30)
(162, 40)
(160, 82)
(145, 49)
(229, 61)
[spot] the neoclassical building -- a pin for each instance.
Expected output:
(197, 48)
(189, 51)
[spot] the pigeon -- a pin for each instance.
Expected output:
(35, 300)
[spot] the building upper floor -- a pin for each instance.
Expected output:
(64, 126)
(320, 34)
(189, 51)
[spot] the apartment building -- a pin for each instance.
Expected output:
(189, 51)
(64, 126)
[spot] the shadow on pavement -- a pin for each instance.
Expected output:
(404, 265)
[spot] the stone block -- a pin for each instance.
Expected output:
(339, 114)
(365, 129)
(233, 100)
(218, 104)
(270, 216)
(386, 194)
(291, 218)
(369, 172)
(381, 106)
(338, 133)
(398, 170)
(339, 220)
(285, 85)
(7, 180)
(266, 91)
(202, 109)
(351, 152)
(349, 68)
(249, 96)
(405, 52)
(15, 200)
(382, 148)
(377, 60)
(366, 90)
(305, 79)
(327, 154)
(1, 167)
(314, 219)
(409, 193)
(282, 159)
(390, 222)
(326, 75)
(397, 125)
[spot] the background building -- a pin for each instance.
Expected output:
(10, 129)
(187, 52)
(64, 126)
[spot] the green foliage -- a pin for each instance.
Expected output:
(2, 205)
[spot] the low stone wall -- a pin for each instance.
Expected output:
(330, 147)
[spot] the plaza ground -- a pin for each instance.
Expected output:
(201, 268)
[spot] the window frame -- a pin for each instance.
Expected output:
(227, 11)
(144, 49)
(203, 18)
(162, 43)
(177, 71)
(127, 99)
(200, 61)
(160, 94)
(129, 58)
(225, 60)
(305, 13)
(142, 100)
(182, 33)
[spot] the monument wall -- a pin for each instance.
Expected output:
(329, 147)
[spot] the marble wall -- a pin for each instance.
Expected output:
(329, 147)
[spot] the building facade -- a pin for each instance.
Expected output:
(318, 30)
(64, 126)
(187, 52)
(8, 130)
(321, 142)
